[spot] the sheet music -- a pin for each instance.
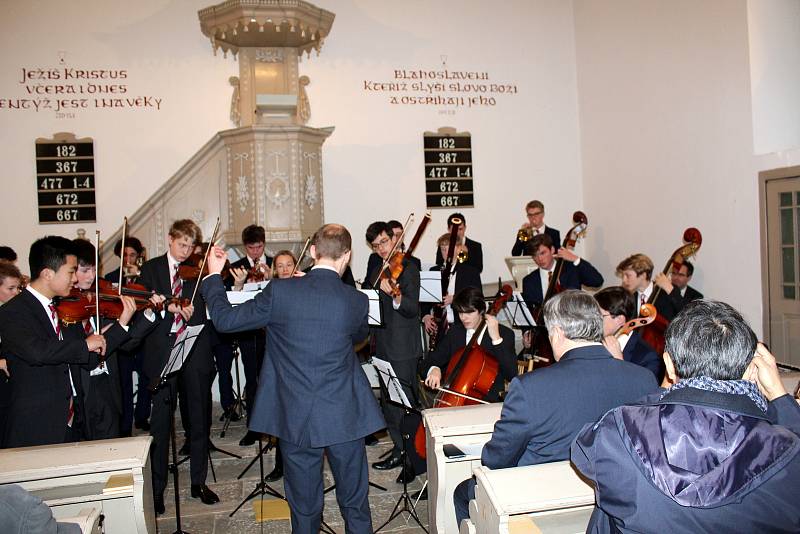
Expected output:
(375, 317)
(430, 286)
(516, 312)
(182, 349)
(393, 386)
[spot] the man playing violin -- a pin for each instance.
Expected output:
(473, 248)
(618, 307)
(534, 210)
(160, 274)
(41, 362)
(636, 273)
(544, 410)
(375, 260)
(576, 272)
(398, 340)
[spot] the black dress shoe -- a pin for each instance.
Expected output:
(406, 475)
(142, 425)
(390, 463)
(185, 449)
(249, 439)
(158, 504)
(421, 495)
(204, 492)
(370, 440)
(275, 474)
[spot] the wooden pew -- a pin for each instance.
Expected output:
(112, 476)
(545, 498)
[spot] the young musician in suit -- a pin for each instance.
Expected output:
(462, 276)
(160, 274)
(375, 260)
(398, 341)
(10, 286)
(636, 273)
(41, 362)
(680, 278)
(130, 361)
(544, 410)
(474, 249)
(576, 272)
(313, 394)
(535, 226)
(618, 307)
(256, 265)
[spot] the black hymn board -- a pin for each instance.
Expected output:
(448, 169)
(65, 179)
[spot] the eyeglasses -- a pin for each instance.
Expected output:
(379, 244)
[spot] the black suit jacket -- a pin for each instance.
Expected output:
(638, 351)
(399, 338)
(544, 410)
(374, 262)
(39, 366)
(691, 294)
(474, 255)
(571, 278)
(521, 249)
(667, 304)
(157, 345)
(455, 340)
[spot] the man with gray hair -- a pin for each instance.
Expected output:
(544, 410)
(717, 452)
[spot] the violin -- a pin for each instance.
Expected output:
(654, 333)
(471, 373)
(189, 269)
(540, 343)
(393, 265)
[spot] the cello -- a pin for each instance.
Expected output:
(540, 349)
(470, 374)
(654, 333)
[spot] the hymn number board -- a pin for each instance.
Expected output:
(448, 169)
(65, 179)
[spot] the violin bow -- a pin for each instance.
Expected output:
(205, 259)
(457, 394)
(122, 253)
(97, 287)
(302, 254)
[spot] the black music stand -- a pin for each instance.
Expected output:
(236, 407)
(392, 387)
(262, 487)
(181, 351)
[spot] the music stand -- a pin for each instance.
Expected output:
(375, 313)
(181, 351)
(430, 286)
(236, 407)
(392, 387)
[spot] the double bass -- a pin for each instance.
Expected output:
(470, 374)
(653, 334)
(540, 348)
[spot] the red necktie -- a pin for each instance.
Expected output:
(177, 288)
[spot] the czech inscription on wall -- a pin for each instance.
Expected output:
(67, 91)
(448, 169)
(65, 181)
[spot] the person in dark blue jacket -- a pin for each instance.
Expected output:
(619, 307)
(312, 393)
(719, 451)
(544, 410)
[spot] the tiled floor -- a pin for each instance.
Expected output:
(197, 518)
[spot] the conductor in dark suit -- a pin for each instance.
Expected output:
(576, 272)
(618, 307)
(534, 210)
(398, 341)
(41, 363)
(196, 375)
(544, 410)
(474, 249)
(312, 394)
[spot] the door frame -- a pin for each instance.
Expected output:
(763, 178)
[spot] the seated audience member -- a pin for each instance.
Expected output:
(680, 279)
(576, 271)
(717, 452)
(544, 410)
(534, 210)
(618, 307)
(21, 512)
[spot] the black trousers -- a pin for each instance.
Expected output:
(251, 347)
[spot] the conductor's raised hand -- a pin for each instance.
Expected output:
(216, 260)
